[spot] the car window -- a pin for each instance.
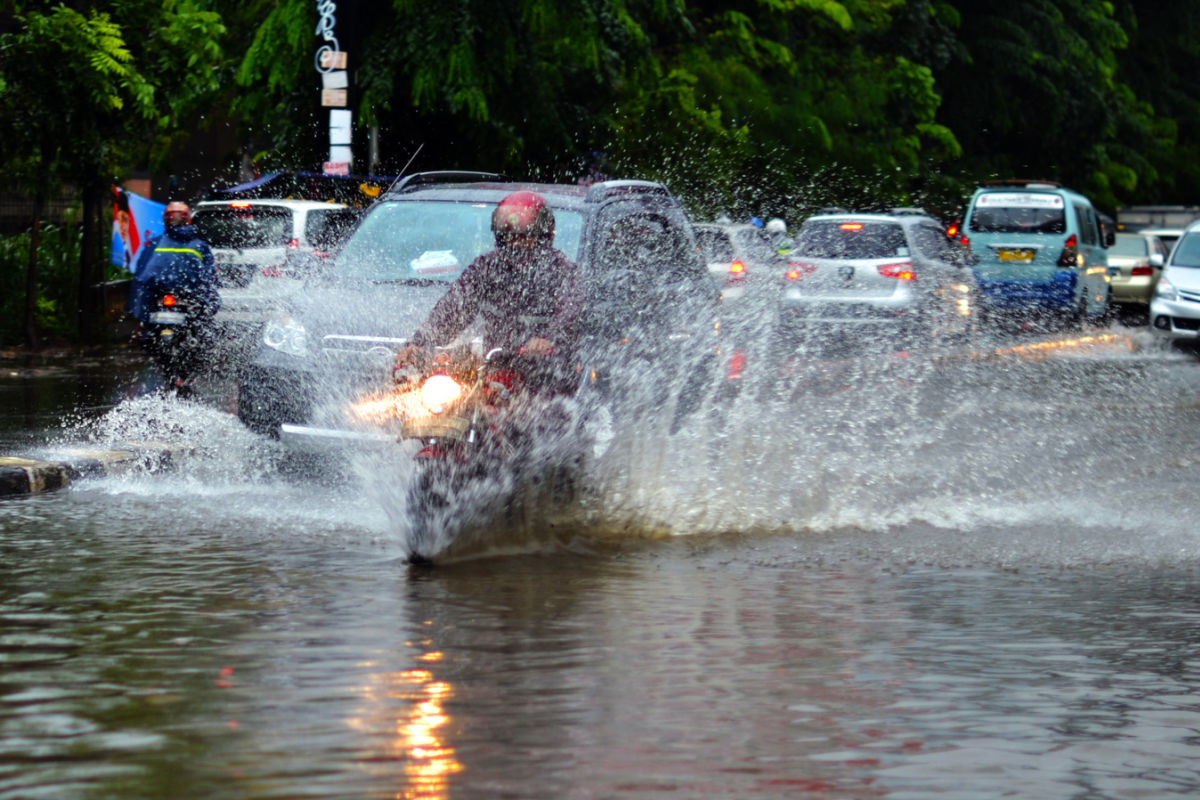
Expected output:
(435, 240)
(327, 228)
(850, 239)
(1187, 251)
(933, 243)
(240, 226)
(714, 245)
(1018, 212)
(1133, 246)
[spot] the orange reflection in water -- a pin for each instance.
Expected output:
(428, 760)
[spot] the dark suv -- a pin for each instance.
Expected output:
(648, 294)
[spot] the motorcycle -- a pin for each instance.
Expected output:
(179, 336)
(486, 442)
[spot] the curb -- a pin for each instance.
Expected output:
(22, 476)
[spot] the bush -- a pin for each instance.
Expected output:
(57, 282)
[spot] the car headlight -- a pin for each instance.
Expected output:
(439, 391)
(1166, 290)
(286, 335)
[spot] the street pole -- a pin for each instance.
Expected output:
(330, 62)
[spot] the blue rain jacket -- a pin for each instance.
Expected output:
(180, 262)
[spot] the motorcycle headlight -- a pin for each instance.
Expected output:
(284, 334)
(439, 391)
(1166, 290)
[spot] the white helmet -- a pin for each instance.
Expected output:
(776, 225)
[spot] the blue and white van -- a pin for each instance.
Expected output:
(1040, 250)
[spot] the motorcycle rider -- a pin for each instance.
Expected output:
(526, 291)
(777, 231)
(180, 262)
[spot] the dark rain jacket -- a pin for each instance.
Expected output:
(519, 295)
(179, 262)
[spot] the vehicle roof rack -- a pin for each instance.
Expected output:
(606, 189)
(445, 176)
(1028, 183)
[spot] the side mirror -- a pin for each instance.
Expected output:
(1157, 260)
(1110, 236)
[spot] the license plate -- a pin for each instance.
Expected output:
(167, 317)
(1011, 254)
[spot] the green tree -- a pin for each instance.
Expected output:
(80, 102)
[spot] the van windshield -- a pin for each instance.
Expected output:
(1018, 212)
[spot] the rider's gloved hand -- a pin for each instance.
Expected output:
(537, 346)
(409, 356)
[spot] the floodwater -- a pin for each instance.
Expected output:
(968, 578)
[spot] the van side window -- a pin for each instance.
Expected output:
(1086, 220)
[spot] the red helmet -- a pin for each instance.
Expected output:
(522, 214)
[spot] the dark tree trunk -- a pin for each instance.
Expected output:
(31, 271)
(88, 277)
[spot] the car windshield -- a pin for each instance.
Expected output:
(240, 226)
(431, 240)
(850, 239)
(1134, 246)
(1187, 252)
(1018, 212)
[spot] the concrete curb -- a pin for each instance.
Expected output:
(57, 469)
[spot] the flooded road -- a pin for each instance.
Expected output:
(969, 578)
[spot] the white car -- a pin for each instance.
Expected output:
(1175, 307)
(262, 237)
(259, 243)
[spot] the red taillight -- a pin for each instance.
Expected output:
(1142, 271)
(737, 363)
(1070, 255)
(239, 205)
(797, 271)
(953, 230)
(965, 241)
(737, 268)
(901, 270)
(294, 244)
(168, 300)
(851, 226)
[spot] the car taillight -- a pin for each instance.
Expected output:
(737, 268)
(851, 226)
(239, 205)
(294, 244)
(796, 271)
(168, 300)
(737, 363)
(1142, 271)
(1070, 253)
(901, 270)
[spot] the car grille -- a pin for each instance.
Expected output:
(1186, 323)
(367, 353)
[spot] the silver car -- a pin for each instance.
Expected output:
(894, 279)
(1134, 262)
(1175, 307)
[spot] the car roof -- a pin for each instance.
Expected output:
(269, 201)
(489, 187)
(1033, 186)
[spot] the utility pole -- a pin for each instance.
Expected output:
(331, 65)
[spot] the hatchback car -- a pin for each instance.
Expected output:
(1134, 263)
(894, 279)
(262, 237)
(1175, 306)
(648, 297)
(1040, 250)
